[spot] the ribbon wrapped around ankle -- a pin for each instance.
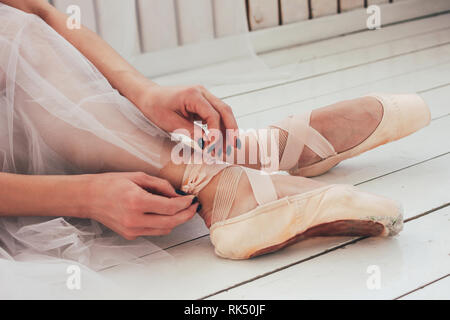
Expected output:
(301, 134)
(197, 176)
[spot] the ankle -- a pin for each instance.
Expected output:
(227, 195)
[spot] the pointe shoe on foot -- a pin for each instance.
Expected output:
(273, 223)
(402, 116)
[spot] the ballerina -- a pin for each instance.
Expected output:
(94, 133)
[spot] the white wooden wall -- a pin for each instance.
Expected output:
(136, 27)
(140, 26)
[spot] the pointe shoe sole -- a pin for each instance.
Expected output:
(335, 210)
(402, 116)
(346, 228)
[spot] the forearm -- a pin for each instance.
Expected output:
(120, 74)
(26, 195)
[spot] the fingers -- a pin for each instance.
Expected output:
(198, 104)
(132, 234)
(157, 221)
(155, 184)
(162, 205)
(153, 224)
(216, 113)
(225, 111)
(180, 122)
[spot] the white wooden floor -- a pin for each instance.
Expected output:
(407, 57)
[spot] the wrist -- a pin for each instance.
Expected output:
(75, 196)
(139, 89)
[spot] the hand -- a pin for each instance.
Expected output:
(173, 108)
(136, 204)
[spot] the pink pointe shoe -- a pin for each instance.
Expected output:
(274, 222)
(402, 115)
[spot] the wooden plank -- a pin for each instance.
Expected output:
(437, 100)
(431, 78)
(320, 8)
(230, 17)
(157, 24)
(294, 10)
(347, 5)
(371, 2)
(327, 48)
(117, 24)
(341, 61)
(263, 13)
(335, 25)
(195, 21)
(194, 57)
(439, 290)
(194, 262)
(335, 81)
(417, 256)
(399, 32)
(87, 9)
(400, 38)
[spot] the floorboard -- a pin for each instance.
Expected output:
(416, 257)
(437, 290)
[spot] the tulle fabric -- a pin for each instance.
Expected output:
(59, 115)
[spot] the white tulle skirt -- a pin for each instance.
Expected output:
(59, 115)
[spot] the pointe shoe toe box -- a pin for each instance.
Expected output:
(289, 218)
(403, 114)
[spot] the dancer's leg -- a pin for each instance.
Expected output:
(344, 124)
(310, 144)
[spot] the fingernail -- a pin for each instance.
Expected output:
(229, 150)
(195, 200)
(201, 143)
(238, 143)
(180, 192)
(199, 207)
